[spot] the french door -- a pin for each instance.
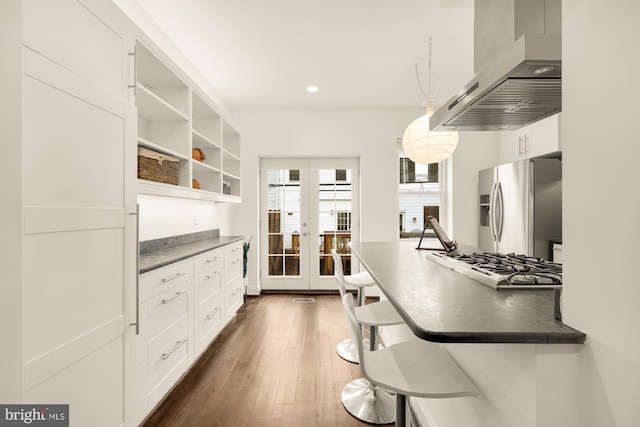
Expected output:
(308, 207)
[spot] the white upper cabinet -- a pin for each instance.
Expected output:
(537, 139)
(178, 120)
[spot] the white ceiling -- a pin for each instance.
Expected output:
(361, 53)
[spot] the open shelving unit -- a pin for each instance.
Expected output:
(174, 118)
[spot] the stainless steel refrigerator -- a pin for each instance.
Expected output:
(521, 207)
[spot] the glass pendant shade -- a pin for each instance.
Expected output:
(423, 146)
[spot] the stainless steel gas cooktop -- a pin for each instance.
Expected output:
(503, 271)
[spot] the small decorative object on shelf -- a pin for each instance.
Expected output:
(195, 184)
(226, 187)
(198, 154)
(158, 167)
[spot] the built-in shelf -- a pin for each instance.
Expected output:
(175, 119)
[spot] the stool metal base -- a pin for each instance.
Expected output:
(347, 350)
(368, 402)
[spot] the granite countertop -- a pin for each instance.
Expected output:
(441, 305)
(160, 252)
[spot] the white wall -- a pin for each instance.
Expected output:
(166, 216)
(601, 148)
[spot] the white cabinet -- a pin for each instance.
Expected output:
(209, 298)
(67, 192)
(183, 306)
(162, 347)
(233, 279)
(177, 119)
(534, 140)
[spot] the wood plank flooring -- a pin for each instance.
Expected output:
(274, 365)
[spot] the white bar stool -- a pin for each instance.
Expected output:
(362, 399)
(410, 368)
(346, 348)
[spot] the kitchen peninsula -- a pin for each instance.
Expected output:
(441, 305)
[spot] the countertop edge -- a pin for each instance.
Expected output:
(568, 336)
(199, 247)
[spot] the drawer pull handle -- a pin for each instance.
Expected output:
(173, 277)
(235, 292)
(166, 301)
(213, 314)
(235, 262)
(165, 356)
(213, 260)
(212, 275)
(235, 250)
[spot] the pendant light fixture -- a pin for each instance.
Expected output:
(423, 146)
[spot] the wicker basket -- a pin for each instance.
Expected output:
(158, 167)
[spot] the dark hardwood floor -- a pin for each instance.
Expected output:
(274, 365)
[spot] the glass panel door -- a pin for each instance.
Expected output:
(309, 207)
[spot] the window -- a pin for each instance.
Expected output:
(420, 194)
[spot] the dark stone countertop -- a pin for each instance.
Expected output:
(156, 255)
(441, 305)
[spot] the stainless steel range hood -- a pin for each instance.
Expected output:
(520, 85)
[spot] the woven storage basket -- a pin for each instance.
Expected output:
(158, 167)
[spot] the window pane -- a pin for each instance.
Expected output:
(284, 221)
(334, 225)
(419, 196)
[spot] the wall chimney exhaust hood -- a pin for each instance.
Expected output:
(520, 81)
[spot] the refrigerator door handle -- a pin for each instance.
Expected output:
(492, 212)
(500, 206)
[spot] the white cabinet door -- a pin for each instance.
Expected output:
(537, 139)
(512, 145)
(544, 137)
(79, 237)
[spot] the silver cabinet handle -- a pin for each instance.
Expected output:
(520, 149)
(235, 262)
(235, 250)
(214, 313)
(137, 214)
(526, 144)
(235, 292)
(212, 275)
(173, 277)
(166, 301)
(212, 260)
(165, 356)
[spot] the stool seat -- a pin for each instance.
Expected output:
(361, 280)
(410, 368)
(417, 368)
(380, 313)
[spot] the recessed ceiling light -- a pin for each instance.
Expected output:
(312, 89)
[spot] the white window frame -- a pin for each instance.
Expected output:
(443, 191)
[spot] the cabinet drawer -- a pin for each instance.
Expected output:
(208, 284)
(207, 260)
(208, 323)
(166, 366)
(159, 280)
(160, 318)
(233, 260)
(233, 249)
(233, 298)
